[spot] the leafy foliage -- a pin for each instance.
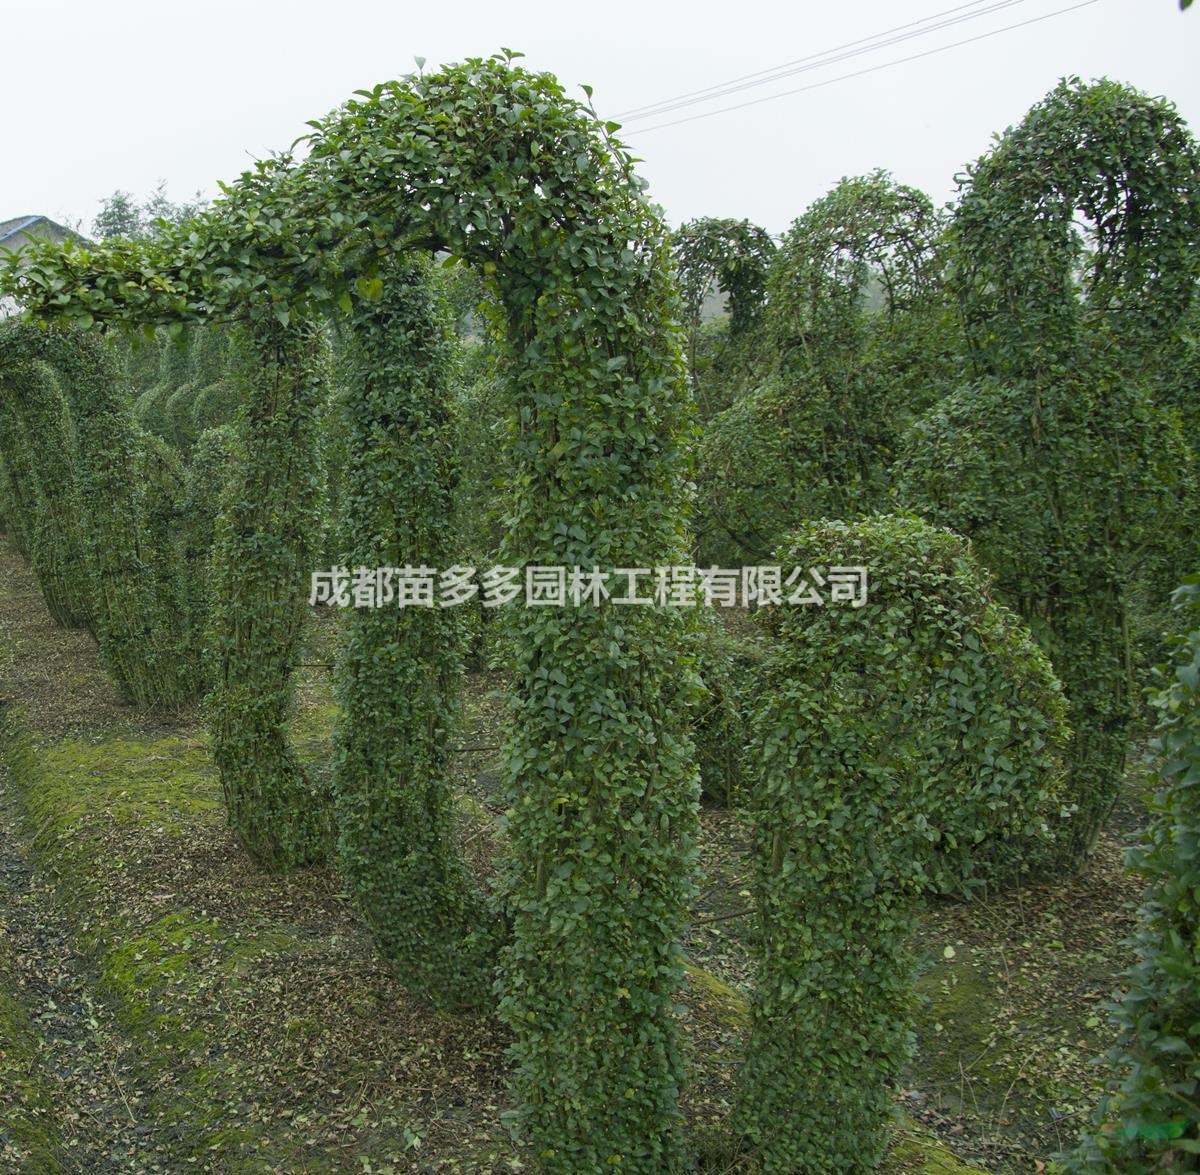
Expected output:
(1151, 1118)
(860, 343)
(262, 562)
(499, 168)
(733, 256)
(728, 667)
(134, 603)
(399, 670)
(892, 741)
(1077, 231)
(37, 439)
(1096, 488)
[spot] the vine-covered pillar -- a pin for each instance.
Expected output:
(600, 786)
(399, 671)
(208, 472)
(261, 569)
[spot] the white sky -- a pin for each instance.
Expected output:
(99, 96)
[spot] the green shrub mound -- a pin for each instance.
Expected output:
(891, 741)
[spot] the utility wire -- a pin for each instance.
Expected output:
(862, 72)
(816, 60)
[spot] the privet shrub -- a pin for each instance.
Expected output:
(148, 407)
(889, 741)
(1066, 337)
(600, 789)
(1150, 1118)
(1090, 472)
(262, 569)
(730, 256)
(399, 670)
(599, 780)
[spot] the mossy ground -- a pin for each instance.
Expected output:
(231, 1020)
(29, 1139)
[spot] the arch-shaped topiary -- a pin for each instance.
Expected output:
(860, 340)
(1078, 229)
(498, 167)
(731, 255)
(893, 741)
(134, 616)
(1097, 486)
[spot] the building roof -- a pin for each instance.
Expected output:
(10, 230)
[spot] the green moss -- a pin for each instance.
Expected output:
(158, 782)
(731, 1008)
(138, 976)
(247, 950)
(915, 1149)
(312, 726)
(959, 1053)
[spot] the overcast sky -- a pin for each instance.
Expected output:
(99, 96)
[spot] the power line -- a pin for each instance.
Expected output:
(856, 48)
(870, 69)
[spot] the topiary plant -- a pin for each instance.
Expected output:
(890, 742)
(860, 341)
(1149, 1119)
(399, 669)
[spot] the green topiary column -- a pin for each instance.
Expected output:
(133, 618)
(39, 446)
(399, 671)
(261, 571)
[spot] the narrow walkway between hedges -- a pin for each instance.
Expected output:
(66, 1085)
